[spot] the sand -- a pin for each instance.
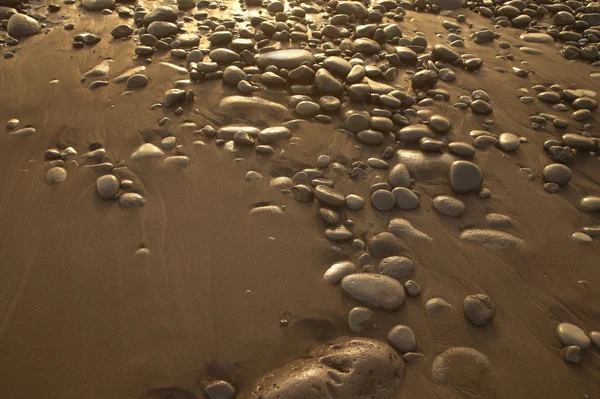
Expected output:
(101, 300)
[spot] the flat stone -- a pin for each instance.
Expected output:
(402, 228)
(329, 196)
(491, 239)
(383, 200)
(374, 290)
(448, 206)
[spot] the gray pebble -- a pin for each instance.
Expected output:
(509, 142)
(328, 196)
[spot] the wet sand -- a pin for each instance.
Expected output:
(82, 315)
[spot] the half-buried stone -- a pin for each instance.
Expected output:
(492, 239)
(374, 290)
(465, 176)
(462, 368)
(396, 267)
(385, 244)
(98, 5)
(288, 59)
(350, 368)
(448, 206)
(479, 309)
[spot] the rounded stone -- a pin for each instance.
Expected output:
(402, 338)
(479, 309)
(439, 123)
(220, 390)
(137, 80)
(107, 186)
(329, 196)
(448, 206)
(22, 25)
(374, 290)
(509, 142)
(557, 173)
(384, 244)
(399, 176)
(383, 200)
(590, 203)
(570, 334)
(357, 316)
(465, 176)
(396, 267)
(406, 199)
(338, 271)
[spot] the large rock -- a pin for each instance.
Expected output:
(350, 368)
(22, 25)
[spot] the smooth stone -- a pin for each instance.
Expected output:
(461, 149)
(220, 390)
(22, 25)
(365, 45)
(570, 334)
(448, 206)
(498, 220)
(98, 5)
(147, 150)
(406, 199)
(354, 202)
(137, 80)
(581, 237)
(396, 267)
(24, 131)
(121, 31)
(491, 239)
(413, 133)
(509, 142)
(384, 244)
(372, 369)
(107, 186)
(132, 199)
(179, 161)
(578, 142)
(224, 56)
(162, 29)
(338, 271)
(173, 97)
(423, 80)
(399, 176)
(590, 203)
(481, 107)
(402, 228)
(439, 124)
(479, 309)
(537, 38)
(557, 173)
(56, 175)
(370, 137)
(383, 200)
(329, 196)
(446, 4)
(374, 290)
(288, 59)
(339, 234)
(465, 176)
(572, 354)
(266, 210)
(412, 288)
(402, 338)
(273, 134)
(461, 368)
(358, 316)
(326, 83)
(595, 338)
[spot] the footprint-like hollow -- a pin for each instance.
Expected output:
(349, 368)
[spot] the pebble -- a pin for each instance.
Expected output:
(581, 237)
(370, 137)
(437, 305)
(439, 124)
(412, 288)
(498, 220)
(329, 216)
(288, 59)
(147, 150)
(383, 200)
(396, 267)
(509, 142)
(402, 338)
(107, 186)
(491, 239)
(557, 173)
(578, 142)
(399, 176)
(98, 5)
(414, 133)
(358, 316)
(479, 309)
(132, 199)
(137, 80)
(56, 175)
(384, 244)
(406, 199)
(329, 196)
(22, 25)
(481, 107)
(448, 206)
(461, 149)
(572, 354)
(339, 234)
(570, 334)
(273, 134)
(12, 124)
(590, 203)
(220, 390)
(179, 161)
(354, 202)
(465, 176)
(338, 271)
(374, 290)
(595, 338)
